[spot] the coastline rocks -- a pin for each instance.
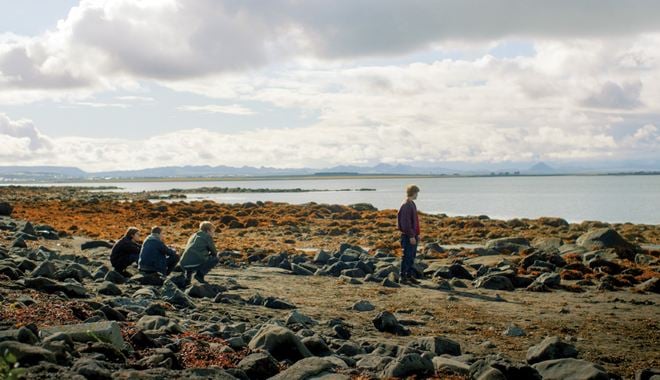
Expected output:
(604, 238)
(90, 332)
(107, 288)
(571, 369)
(26, 354)
(280, 342)
(387, 322)
(314, 367)
(363, 305)
(176, 297)
(259, 366)
(410, 364)
(445, 366)
(436, 345)
(508, 245)
(550, 348)
(6, 209)
(47, 285)
(494, 282)
(95, 244)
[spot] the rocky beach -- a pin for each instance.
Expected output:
(311, 292)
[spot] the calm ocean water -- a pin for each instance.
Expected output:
(633, 199)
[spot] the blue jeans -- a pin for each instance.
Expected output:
(408, 258)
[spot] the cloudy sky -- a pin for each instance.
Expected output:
(128, 84)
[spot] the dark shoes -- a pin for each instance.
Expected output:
(409, 280)
(200, 278)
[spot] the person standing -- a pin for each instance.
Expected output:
(155, 256)
(126, 251)
(408, 224)
(199, 257)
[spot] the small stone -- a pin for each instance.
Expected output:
(514, 331)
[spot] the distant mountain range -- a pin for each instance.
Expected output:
(63, 173)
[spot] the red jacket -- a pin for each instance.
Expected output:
(408, 220)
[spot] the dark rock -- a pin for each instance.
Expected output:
(274, 303)
(317, 346)
(92, 369)
(309, 368)
(494, 282)
(160, 324)
(280, 342)
(300, 270)
(508, 244)
(25, 354)
(95, 244)
(648, 374)
(6, 209)
(109, 289)
(341, 332)
(112, 314)
(321, 257)
(411, 364)
(155, 308)
(114, 277)
(387, 322)
(571, 369)
(363, 305)
(436, 345)
(259, 366)
(550, 348)
(173, 295)
(604, 238)
(154, 279)
(205, 290)
(19, 243)
(650, 285)
(50, 286)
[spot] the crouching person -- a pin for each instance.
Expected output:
(199, 257)
(126, 251)
(155, 256)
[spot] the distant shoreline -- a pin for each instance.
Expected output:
(313, 177)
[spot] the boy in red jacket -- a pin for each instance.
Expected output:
(408, 223)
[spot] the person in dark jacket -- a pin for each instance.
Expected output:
(199, 256)
(126, 251)
(155, 256)
(408, 224)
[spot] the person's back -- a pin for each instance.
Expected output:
(199, 256)
(155, 256)
(125, 251)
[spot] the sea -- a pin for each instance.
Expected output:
(613, 198)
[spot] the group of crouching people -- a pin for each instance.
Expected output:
(153, 256)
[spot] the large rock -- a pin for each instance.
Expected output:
(95, 244)
(437, 345)
(90, 332)
(363, 305)
(570, 369)
(173, 295)
(109, 289)
(280, 342)
(259, 366)
(47, 285)
(300, 270)
(447, 366)
(411, 364)
(25, 354)
(494, 282)
(508, 244)
(205, 290)
(22, 335)
(550, 348)
(387, 322)
(160, 324)
(604, 238)
(308, 368)
(6, 209)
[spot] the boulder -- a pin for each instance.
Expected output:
(436, 345)
(363, 305)
(550, 348)
(514, 331)
(173, 295)
(508, 245)
(109, 289)
(604, 238)
(26, 354)
(22, 335)
(322, 257)
(280, 342)
(205, 290)
(317, 346)
(570, 368)
(45, 269)
(494, 282)
(160, 324)
(650, 285)
(387, 322)
(153, 279)
(274, 303)
(47, 285)
(300, 270)
(410, 364)
(114, 277)
(448, 366)
(95, 244)
(6, 209)
(309, 368)
(107, 331)
(259, 366)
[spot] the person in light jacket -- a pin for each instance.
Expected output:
(155, 256)
(200, 254)
(408, 224)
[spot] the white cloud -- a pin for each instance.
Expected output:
(231, 109)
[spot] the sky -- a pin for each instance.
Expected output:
(131, 84)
